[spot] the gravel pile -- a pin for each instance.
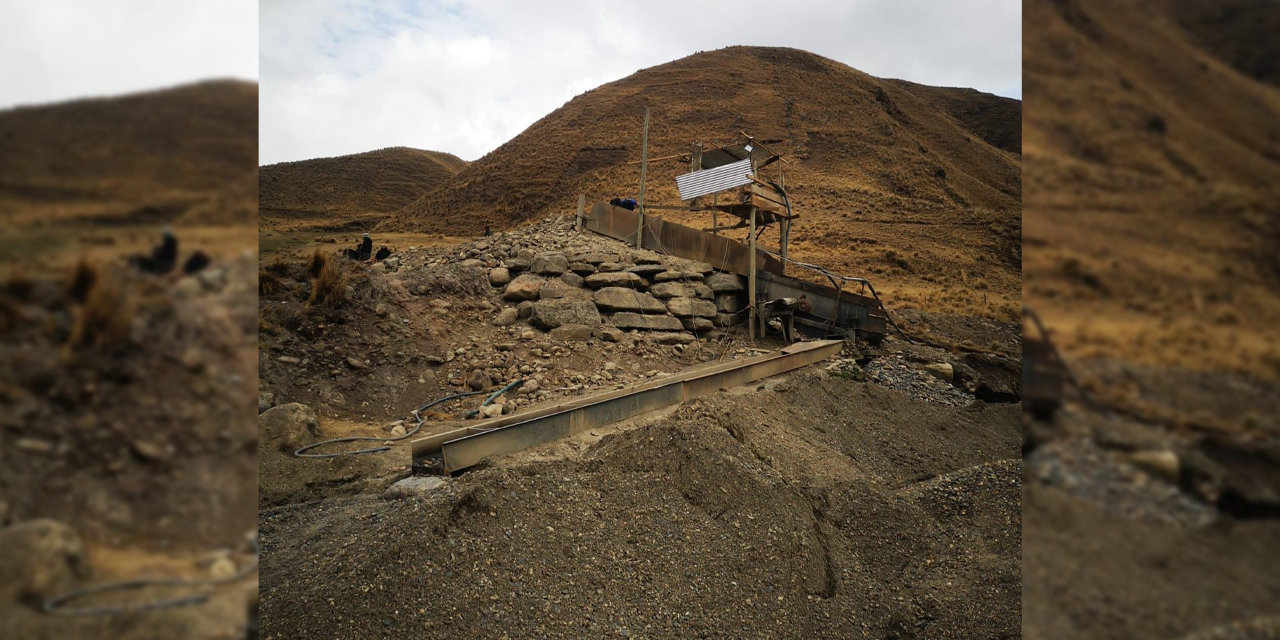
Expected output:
(895, 372)
(736, 516)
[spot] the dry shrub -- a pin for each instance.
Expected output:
(328, 283)
(278, 267)
(105, 318)
(317, 264)
(269, 283)
(83, 277)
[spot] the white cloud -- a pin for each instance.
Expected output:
(464, 76)
(54, 50)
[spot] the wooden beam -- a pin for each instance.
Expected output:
(678, 155)
(716, 230)
(582, 203)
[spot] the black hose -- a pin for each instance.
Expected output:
(299, 453)
(55, 605)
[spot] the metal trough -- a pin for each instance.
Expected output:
(455, 450)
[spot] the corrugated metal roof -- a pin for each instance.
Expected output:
(701, 183)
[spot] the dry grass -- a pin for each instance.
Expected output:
(269, 283)
(105, 319)
(329, 282)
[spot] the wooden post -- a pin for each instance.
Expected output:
(644, 168)
(715, 199)
(751, 280)
(784, 229)
(695, 164)
(582, 203)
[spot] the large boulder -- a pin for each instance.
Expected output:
(664, 290)
(554, 289)
(671, 275)
(687, 307)
(516, 265)
(596, 258)
(672, 337)
(616, 279)
(549, 314)
(647, 270)
(572, 333)
(289, 427)
(551, 263)
(730, 302)
(582, 268)
(697, 324)
(524, 287)
(646, 323)
(499, 277)
(721, 281)
(38, 560)
(620, 299)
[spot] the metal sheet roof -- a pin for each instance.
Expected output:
(701, 183)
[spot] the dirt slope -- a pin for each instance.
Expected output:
(1152, 166)
(357, 186)
(876, 166)
(178, 143)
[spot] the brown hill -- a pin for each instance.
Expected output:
(929, 176)
(1240, 32)
(178, 144)
(359, 186)
(1152, 165)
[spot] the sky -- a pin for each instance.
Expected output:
(465, 76)
(58, 50)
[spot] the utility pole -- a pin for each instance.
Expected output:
(644, 169)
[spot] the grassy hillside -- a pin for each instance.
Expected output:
(332, 192)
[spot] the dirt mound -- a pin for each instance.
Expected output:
(353, 191)
(731, 516)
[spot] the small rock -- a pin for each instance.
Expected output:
(355, 363)
(506, 317)
(397, 431)
(478, 380)
(414, 486)
(288, 359)
(381, 310)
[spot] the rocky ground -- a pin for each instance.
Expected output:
(871, 495)
(126, 445)
(1156, 512)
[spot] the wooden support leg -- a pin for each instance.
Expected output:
(751, 281)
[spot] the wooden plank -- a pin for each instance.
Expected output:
(582, 203)
(751, 279)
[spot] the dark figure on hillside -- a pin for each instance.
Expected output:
(625, 203)
(163, 257)
(366, 247)
(196, 263)
(383, 254)
(487, 232)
